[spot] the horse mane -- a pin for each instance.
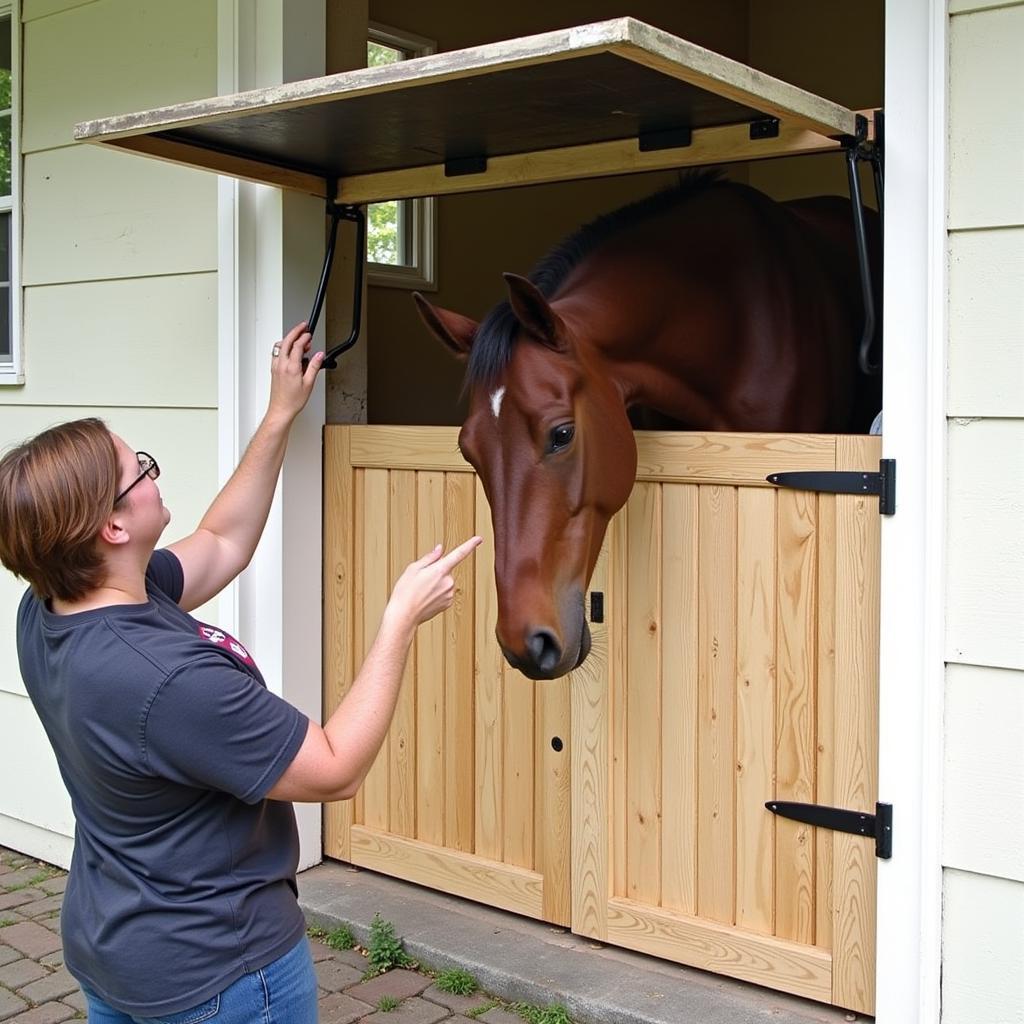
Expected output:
(494, 340)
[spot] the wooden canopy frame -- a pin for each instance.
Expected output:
(613, 97)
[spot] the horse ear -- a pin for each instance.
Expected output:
(534, 312)
(452, 329)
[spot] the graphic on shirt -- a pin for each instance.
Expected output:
(222, 639)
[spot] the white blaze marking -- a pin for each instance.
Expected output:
(496, 398)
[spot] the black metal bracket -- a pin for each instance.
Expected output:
(858, 823)
(882, 483)
(597, 606)
(665, 138)
(339, 212)
(857, 148)
(764, 128)
(456, 167)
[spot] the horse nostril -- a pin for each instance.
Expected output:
(544, 650)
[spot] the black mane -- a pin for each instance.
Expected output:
(494, 340)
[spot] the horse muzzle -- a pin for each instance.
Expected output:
(544, 656)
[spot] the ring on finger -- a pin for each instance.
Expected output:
(276, 350)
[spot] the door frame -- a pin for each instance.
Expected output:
(912, 594)
(912, 673)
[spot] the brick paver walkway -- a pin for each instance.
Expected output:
(35, 987)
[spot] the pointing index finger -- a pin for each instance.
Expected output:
(456, 555)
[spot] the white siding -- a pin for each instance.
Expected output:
(120, 318)
(984, 793)
(986, 323)
(986, 118)
(985, 557)
(983, 950)
(983, 788)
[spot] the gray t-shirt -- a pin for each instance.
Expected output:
(183, 874)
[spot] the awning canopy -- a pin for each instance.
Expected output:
(609, 98)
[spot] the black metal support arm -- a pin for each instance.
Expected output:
(340, 212)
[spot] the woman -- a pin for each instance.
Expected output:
(181, 765)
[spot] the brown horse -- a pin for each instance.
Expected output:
(710, 304)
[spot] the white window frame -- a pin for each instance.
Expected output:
(12, 370)
(422, 213)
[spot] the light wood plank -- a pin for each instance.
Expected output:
(728, 459)
(490, 724)
(375, 575)
(724, 144)
(716, 701)
(338, 613)
(552, 799)
(679, 654)
(430, 676)
(359, 603)
(402, 744)
(643, 696)
(476, 878)
(391, 447)
(459, 763)
(761, 959)
(755, 709)
(590, 804)
(663, 456)
(517, 740)
(795, 757)
(618, 598)
(825, 749)
(858, 530)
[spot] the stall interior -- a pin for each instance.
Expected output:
(834, 51)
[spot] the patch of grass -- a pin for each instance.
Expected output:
(5, 921)
(384, 950)
(387, 1003)
(340, 938)
(553, 1014)
(479, 1011)
(457, 981)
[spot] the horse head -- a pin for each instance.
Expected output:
(548, 434)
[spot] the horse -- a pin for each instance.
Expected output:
(708, 303)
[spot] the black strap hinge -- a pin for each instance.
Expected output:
(882, 483)
(858, 823)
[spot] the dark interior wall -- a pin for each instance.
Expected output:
(833, 50)
(411, 378)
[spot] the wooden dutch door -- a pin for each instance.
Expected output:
(736, 665)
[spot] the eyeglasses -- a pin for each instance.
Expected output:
(149, 468)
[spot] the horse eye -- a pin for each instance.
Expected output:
(561, 437)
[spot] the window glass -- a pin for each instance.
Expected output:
(387, 234)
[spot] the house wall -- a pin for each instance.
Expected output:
(983, 821)
(119, 259)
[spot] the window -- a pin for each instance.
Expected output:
(400, 235)
(10, 363)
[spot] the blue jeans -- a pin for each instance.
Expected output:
(283, 992)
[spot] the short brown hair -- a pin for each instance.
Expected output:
(56, 492)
